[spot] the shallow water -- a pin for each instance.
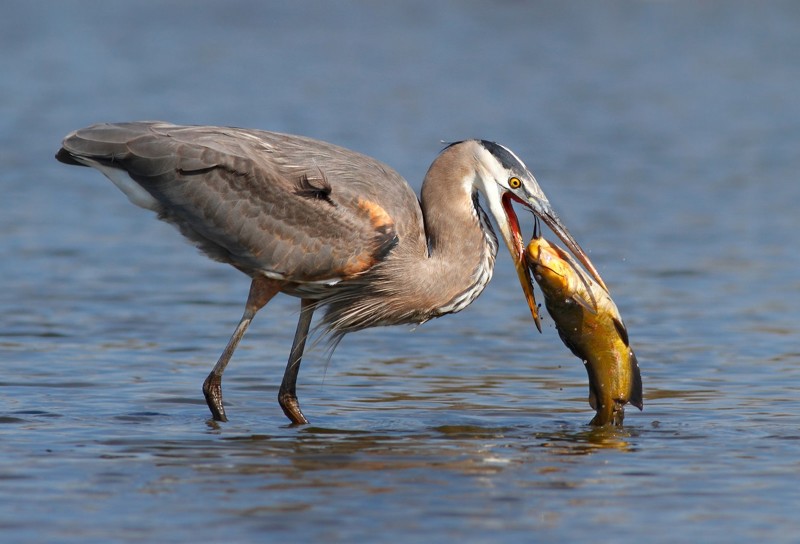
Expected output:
(666, 136)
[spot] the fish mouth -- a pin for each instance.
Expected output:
(542, 210)
(544, 255)
(509, 227)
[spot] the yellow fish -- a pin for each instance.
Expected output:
(589, 324)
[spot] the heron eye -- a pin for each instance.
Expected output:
(514, 182)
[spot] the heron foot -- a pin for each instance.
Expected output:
(291, 407)
(212, 390)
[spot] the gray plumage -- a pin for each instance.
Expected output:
(334, 227)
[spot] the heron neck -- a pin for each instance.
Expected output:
(437, 275)
(462, 245)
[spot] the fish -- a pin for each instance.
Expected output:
(589, 324)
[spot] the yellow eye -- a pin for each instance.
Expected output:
(514, 182)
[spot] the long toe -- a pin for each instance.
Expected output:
(291, 407)
(212, 390)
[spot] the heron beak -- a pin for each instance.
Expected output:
(516, 245)
(541, 207)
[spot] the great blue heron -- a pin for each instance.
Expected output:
(333, 227)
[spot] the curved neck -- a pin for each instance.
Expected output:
(462, 245)
(426, 277)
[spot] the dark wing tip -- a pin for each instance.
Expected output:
(67, 158)
(386, 240)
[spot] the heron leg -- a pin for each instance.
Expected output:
(262, 290)
(287, 394)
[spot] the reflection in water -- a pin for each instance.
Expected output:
(286, 480)
(455, 448)
(588, 441)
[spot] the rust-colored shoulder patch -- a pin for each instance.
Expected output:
(385, 239)
(377, 215)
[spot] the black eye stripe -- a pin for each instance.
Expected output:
(506, 158)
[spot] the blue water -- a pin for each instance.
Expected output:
(665, 134)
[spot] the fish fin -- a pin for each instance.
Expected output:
(636, 385)
(621, 330)
(587, 305)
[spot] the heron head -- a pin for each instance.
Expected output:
(503, 179)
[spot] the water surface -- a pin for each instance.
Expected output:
(665, 134)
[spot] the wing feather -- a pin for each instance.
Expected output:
(287, 206)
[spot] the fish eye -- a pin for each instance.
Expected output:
(514, 182)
